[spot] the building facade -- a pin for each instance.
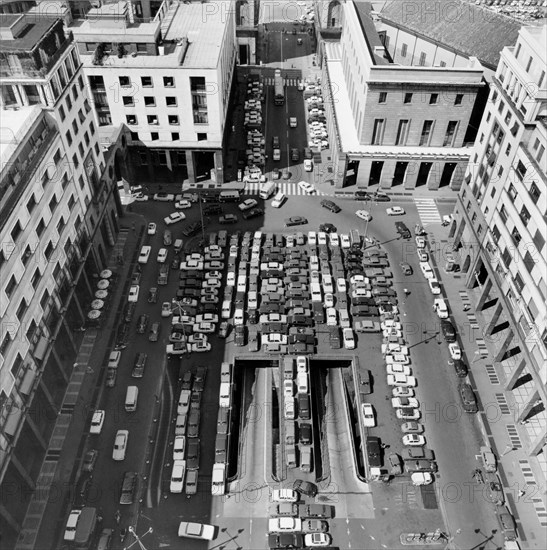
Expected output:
(58, 220)
(500, 230)
(395, 125)
(168, 78)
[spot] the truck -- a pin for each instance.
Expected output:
(163, 275)
(85, 528)
(279, 95)
(218, 481)
(267, 189)
(288, 368)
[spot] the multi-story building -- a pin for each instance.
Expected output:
(394, 125)
(58, 221)
(168, 78)
(500, 230)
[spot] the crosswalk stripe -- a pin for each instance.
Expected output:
(286, 187)
(427, 210)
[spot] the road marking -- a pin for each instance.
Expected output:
(427, 210)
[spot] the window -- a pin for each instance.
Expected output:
(92, 128)
(86, 138)
(382, 97)
(154, 136)
(75, 92)
(474, 217)
(500, 171)
(143, 158)
(433, 99)
(81, 149)
(142, 47)
(81, 182)
(173, 120)
(534, 193)
(202, 137)
(68, 136)
(131, 119)
(503, 213)
(31, 330)
(541, 79)
(496, 234)
(87, 108)
(168, 81)
(23, 306)
(402, 132)
(488, 116)
(539, 240)
(541, 151)
(517, 51)
(16, 231)
(528, 65)
(175, 136)
(507, 118)
(521, 170)
(529, 262)
(506, 257)
(135, 136)
(36, 278)
(40, 228)
(518, 282)
(125, 81)
(404, 49)
(199, 100)
(44, 299)
(171, 101)
(53, 204)
(479, 230)
(5, 343)
(10, 287)
(149, 101)
(501, 106)
(162, 158)
(147, 81)
(421, 63)
(68, 103)
(516, 236)
(450, 133)
(49, 250)
(494, 96)
(62, 112)
(407, 98)
(75, 160)
(128, 101)
(442, 64)
(512, 192)
(458, 100)
(524, 215)
(378, 131)
(81, 82)
(508, 149)
(71, 202)
(481, 139)
(426, 132)
(152, 119)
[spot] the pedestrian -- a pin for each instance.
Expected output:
(466, 307)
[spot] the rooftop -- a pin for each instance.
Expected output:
(21, 33)
(370, 33)
(14, 127)
(467, 28)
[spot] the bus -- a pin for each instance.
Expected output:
(279, 98)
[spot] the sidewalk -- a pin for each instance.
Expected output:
(52, 498)
(498, 416)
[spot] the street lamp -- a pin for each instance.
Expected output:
(137, 538)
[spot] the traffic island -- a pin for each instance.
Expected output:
(422, 539)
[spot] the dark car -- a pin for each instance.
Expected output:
(199, 380)
(254, 213)
(270, 307)
(138, 367)
(469, 400)
(111, 375)
(461, 368)
(380, 197)
(239, 335)
(327, 228)
(406, 268)
(295, 155)
(142, 323)
(334, 338)
(403, 230)
(192, 454)
(129, 487)
(192, 229)
(362, 301)
(301, 338)
(307, 153)
(305, 433)
(187, 378)
(374, 451)
(361, 196)
(396, 464)
(329, 205)
(90, 458)
(507, 523)
(213, 208)
(364, 311)
(421, 465)
(320, 511)
(285, 540)
(300, 320)
(448, 330)
(305, 487)
(129, 311)
(318, 312)
(227, 219)
(295, 220)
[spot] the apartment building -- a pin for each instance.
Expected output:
(168, 78)
(500, 230)
(393, 125)
(58, 220)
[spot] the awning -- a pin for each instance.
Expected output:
(12, 422)
(28, 381)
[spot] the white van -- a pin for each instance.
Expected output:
(218, 482)
(229, 196)
(131, 397)
(302, 382)
(316, 295)
(279, 199)
(224, 399)
(226, 309)
(145, 254)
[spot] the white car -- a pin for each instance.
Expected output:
(308, 165)
(196, 530)
(231, 278)
(312, 540)
(200, 347)
(71, 524)
(183, 204)
(414, 440)
(174, 218)
(144, 254)
(412, 427)
(402, 391)
(345, 241)
(401, 380)
(395, 349)
(164, 197)
(332, 317)
(151, 228)
(207, 328)
(207, 318)
(177, 476)
(407, 413)
(191, 265)
(97, 422)
(367, 410)
(312, 238)
(284, 525)
(301, 364)
(162, 255)
(321, 238)
(334, 239)
(400, 402)
(390, 323)
(288, 389)
(329, 300)
(166, 309)
(398, 369)
(179, 447)
(434, 286)
(133, 293)
(284, 495)
(349, 340)
(306, 187)
(343, 317)
(120, 445)
(427, 270)
(314, 263)
(423, 256)
(247, 204)
(395, 211)
(238, 317)
(354, 279)
(455, 351)
(211, 283)
(420, 242)
(341, 285)
(397, 358)
(364, 215)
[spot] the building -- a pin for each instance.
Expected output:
(58, 221)
(168, 78)
(247, 31)
(500, 230)
(393, 125)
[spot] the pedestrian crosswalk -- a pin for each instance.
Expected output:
(427, 210)
(286, 187)
(269, 81)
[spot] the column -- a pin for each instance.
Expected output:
(484, 294)
(31, 424)
(388, 173)
(536, 446)
(190, 167)
(528, 406)
(435, 174)
(22, 471)
(9, 519)
(23, 94)
(411, 174)
(363, 173)
(515, 375)
(505, 345)
(494, 321)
